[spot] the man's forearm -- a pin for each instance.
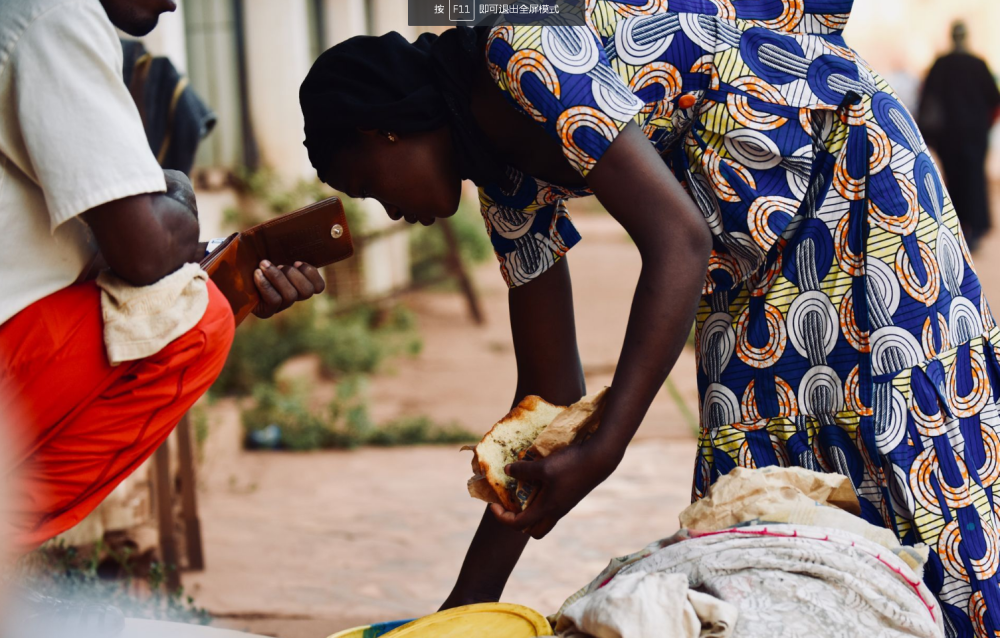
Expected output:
(98, 263)
(146, 237)
(181, 229)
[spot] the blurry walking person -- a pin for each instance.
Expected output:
(959, 106)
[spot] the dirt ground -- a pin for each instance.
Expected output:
(303, 545)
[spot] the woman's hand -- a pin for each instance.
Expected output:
(281, 286)
(561, 481)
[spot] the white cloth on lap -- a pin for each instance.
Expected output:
(140, 321)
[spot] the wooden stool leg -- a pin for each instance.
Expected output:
(189, 498)
(458, 270)
(165, 516)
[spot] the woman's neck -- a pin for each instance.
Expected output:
(519, 140)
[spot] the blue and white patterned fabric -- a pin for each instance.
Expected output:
(843, 327)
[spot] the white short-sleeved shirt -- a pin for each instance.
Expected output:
(70, 139)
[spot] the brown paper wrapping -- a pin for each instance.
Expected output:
(745, 494)
(478, 486)
(575, 424)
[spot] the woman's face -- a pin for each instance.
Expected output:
(413, 177)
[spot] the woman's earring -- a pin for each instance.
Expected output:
(391, 136)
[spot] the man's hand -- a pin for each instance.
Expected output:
(179, 188)
(281, 286)
(561, 481)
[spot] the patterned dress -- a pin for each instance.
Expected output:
(842, 326)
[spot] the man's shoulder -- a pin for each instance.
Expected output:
(21, 10)
(17, 16)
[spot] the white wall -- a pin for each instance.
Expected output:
(344, 19)
(278, 58)
(385, 262)
(390, 15)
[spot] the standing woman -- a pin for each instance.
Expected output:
(777, 192)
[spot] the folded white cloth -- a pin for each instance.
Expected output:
(648, 605)
(141, 321)
(772, 546)
(797, 580)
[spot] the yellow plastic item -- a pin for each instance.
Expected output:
(370, 631)
(486, 620)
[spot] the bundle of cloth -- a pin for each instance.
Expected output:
(770, 553)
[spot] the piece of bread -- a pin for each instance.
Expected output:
(507, 440)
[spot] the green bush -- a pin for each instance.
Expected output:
(398, 331)
(345, 425)
(359, 342)
(349, 420)
(260, 347)
(347, 344)
(419, 430)
(300, 429)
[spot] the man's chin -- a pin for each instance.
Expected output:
(139, 28)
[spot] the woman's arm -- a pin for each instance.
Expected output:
(548, 365)
(638, 190)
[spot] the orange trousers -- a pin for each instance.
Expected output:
(79, 425)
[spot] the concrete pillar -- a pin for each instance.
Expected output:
(278, 58)
(344, 19)
(391, 15)
(386, 261)
(168, 38)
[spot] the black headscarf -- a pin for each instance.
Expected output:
(388, 83)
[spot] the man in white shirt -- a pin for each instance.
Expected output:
(79, 185)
